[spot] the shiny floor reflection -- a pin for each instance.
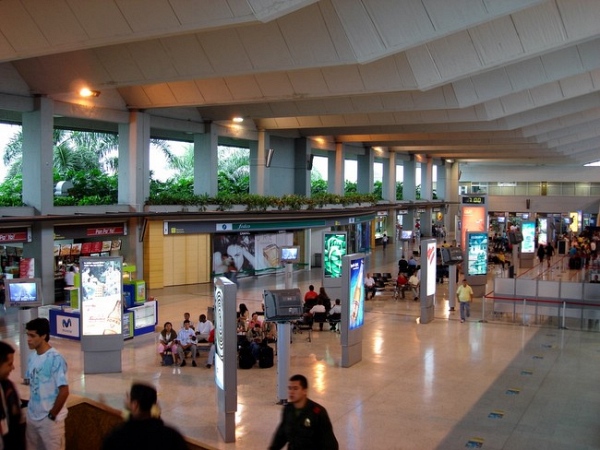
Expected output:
(439, 385)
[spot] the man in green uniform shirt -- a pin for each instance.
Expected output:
(305, 425)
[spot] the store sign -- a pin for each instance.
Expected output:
(16, 235)
(105, 231)
(67, 326)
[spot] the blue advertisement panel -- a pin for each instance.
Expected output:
(357, 287)
(335, 247)
(477, 253)
(528, 231)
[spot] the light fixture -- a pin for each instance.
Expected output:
(269, 157)
(238, 119)
(449, 161)
(592, 164)
(86, 92)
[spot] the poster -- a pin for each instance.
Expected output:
(477, 253)
(528, 231)
(357, 288)
(334, 249)
(101, 288)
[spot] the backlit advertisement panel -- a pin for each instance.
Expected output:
(102, 293)
(477, 253)
(431, 268)
(543, 235)
(335, 247)
(357, 287)
(473, 220)
(528, 244)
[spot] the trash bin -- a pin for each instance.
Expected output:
(318, 260)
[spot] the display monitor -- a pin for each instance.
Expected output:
(290, 254)
(335, 247)
(477, 253)
(451, 255)
(24, 292)
(283, 305)
(406, 235)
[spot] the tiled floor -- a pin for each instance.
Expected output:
(444, 385)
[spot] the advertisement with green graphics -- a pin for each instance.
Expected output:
(335, 247)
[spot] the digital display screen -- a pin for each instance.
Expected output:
(477, 253)
(290, 253)
(406, 235)
(23, 292)
(101, 292)
(528, 231)
(357, 288)
(473, 200)
(335, 247)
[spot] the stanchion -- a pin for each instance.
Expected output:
(523, 324)
(564, 316)
(483, 310)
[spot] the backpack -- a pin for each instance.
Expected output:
(265, 357)
(168, 359)
(245, 357)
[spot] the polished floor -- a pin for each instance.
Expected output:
(443, 385)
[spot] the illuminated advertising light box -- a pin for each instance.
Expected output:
(431, 268)
(477, 253)
(102, 293)
(474, 219)
(543, 234)
(335, 247)
(357, 288)
(528, 231)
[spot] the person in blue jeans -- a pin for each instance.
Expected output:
(464, 294)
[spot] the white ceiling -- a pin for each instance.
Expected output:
(479, 80)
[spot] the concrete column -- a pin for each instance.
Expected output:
(426, 194)
(259, 173)
(134, 161)
(409, 192)
(452, 178)
(38, 182)
(440, 187)
(38, 190)
(364, 182)
(41, 248)
(302, 154)
(336, 175)
(206, 158)
(389, 179)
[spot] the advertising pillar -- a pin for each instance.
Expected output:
(335, 247)
(353, 308)
(101, 314)
(474, 219)
(428, 278)
(226, 356)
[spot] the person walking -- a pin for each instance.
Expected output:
(541, 252)
(305, 425)
(464, 294)
(49, 389)
(549, 254)
(144, 429)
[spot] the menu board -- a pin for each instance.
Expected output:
(86, 248)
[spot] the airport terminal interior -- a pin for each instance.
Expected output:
(493, 382)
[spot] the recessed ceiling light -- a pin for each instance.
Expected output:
(238, 119)
(85, 92)
(592, 164)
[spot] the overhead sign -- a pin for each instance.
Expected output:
(8, 235)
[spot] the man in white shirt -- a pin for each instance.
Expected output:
(203, 329)
(414, 283)
(335, 315)
(186, 341)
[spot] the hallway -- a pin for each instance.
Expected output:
(444, 385)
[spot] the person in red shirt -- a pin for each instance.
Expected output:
(310, 298)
